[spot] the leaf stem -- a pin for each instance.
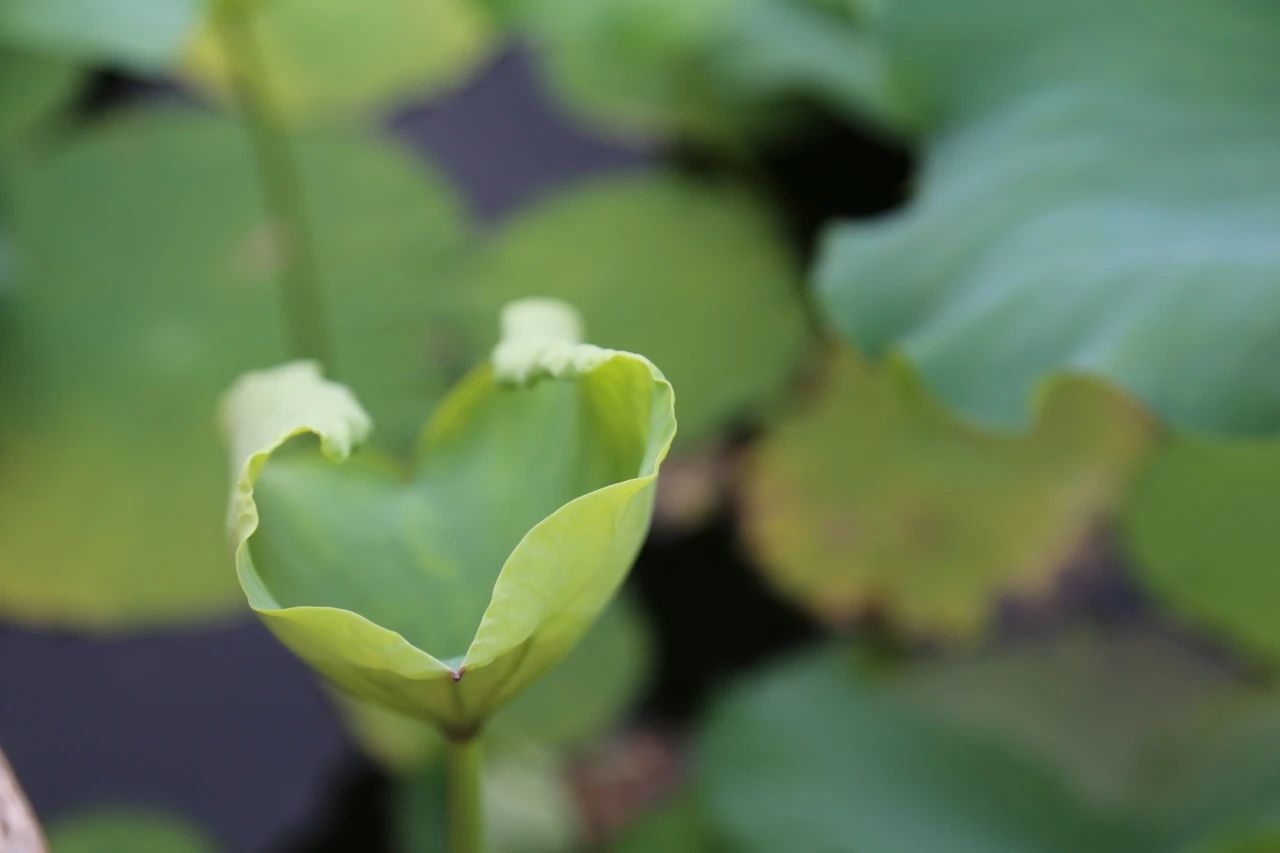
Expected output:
(465, 803)
(303, 303)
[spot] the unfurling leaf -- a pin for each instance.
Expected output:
(443, 592)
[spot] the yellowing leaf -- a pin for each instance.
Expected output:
(872, 498)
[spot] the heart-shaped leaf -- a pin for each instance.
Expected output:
(873, 498)
(1098, 195)
(442, 594)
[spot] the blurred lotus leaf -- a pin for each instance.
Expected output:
(633, 66)
(812, 756)
(143, 283)
(823, 753)
(675, 826)
(1246, 842)
(329, 59)
(1109, 708)
(716, 72)
(126, 830)
(1203, 533)
(1097, 196)
(35, 87)
(443, 593)
(873, 498)
(696, 276)
(145, 35)
(772, 56)
(576, 702)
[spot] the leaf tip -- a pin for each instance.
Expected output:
(542, 336)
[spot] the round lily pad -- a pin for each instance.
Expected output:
(339, 57)
(144, 282)
(697, 276)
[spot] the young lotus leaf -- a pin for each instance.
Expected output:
(577, 702)
(441, 594)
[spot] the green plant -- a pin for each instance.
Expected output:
(1051, 368)
(443, 596)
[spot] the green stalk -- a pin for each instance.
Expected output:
(303, 307)
(465, 804)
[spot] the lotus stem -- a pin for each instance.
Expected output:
(278, 177)
(464, 795)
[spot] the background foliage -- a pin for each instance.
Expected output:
(916, 421)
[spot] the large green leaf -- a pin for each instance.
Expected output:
(1227, 789)
(872, 498)
(34, 87)
(144, 283)
(125, 830)
(1124, 742)
(812, 757)
(718, 71)
(145, 34)
(771, 54)
(444, 593)
(325, 59)
(696, 276)
(1112, 709)
(573, 704)
(1204, 536)
(1098, 195)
